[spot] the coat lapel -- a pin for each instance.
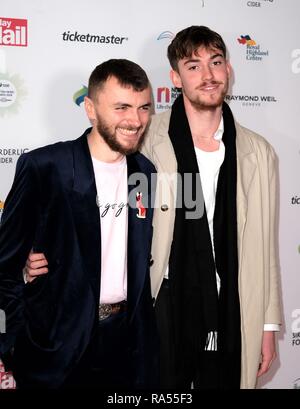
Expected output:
(246, 166)
(86, 212)
(139, 238)
(165, 160)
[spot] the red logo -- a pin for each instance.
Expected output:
(13, 32)
(163, 91)
(141, 214)
(6, 379)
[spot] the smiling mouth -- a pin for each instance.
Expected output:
(209, 87)
(129, 131)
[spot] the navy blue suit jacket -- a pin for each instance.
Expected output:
(49, 322)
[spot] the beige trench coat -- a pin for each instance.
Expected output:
(256, 214)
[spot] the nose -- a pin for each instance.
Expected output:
(207, 73)
(135, 118)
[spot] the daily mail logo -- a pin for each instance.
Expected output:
(13, 32)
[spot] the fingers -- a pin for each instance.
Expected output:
(37, 257)
(265, 365)
(36, 265)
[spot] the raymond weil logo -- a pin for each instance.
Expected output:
(253, 50)
(251, 100)
(165, 97)
(13, 32)
(79, 95)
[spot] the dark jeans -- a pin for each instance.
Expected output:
(106, 362)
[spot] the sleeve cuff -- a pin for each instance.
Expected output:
(271, 327)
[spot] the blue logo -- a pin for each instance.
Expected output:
(78, 97)
(165, 34)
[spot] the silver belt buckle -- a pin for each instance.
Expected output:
(105, 311)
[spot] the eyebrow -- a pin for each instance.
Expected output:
(124, 104)
(194, 60)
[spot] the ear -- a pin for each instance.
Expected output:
(229, 69)
(89, 108)
(175, 78)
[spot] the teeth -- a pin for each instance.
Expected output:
(126, 131)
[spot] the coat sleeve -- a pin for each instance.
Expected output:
(273, 304)
(17, 231)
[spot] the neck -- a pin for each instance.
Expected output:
(203, 125)
(100, 150)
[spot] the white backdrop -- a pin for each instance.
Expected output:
(47, 53)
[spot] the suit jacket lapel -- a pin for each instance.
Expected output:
(139, 236)
(86, 212)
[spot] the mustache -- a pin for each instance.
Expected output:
(207, 83)
(132, 128)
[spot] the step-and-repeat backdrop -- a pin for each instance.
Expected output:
(49, 48)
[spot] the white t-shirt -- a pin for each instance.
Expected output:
(112, 198)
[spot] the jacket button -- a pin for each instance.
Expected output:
(151, 262)
(164, 207)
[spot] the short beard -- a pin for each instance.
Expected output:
(200, 105)
(111, 139)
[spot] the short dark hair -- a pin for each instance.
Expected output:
(187, 41)
(128, 73)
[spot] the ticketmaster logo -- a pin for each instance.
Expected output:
(93, 38)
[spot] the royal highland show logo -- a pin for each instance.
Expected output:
(165, 97)
(253, 50)
(296, 328)
(13, 32)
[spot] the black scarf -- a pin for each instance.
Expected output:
(197, 307)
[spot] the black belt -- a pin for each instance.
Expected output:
(106, 310)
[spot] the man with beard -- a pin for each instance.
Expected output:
(90, 321)
(214, 277)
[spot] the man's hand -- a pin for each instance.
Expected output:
(268, 353)
(36, 265)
